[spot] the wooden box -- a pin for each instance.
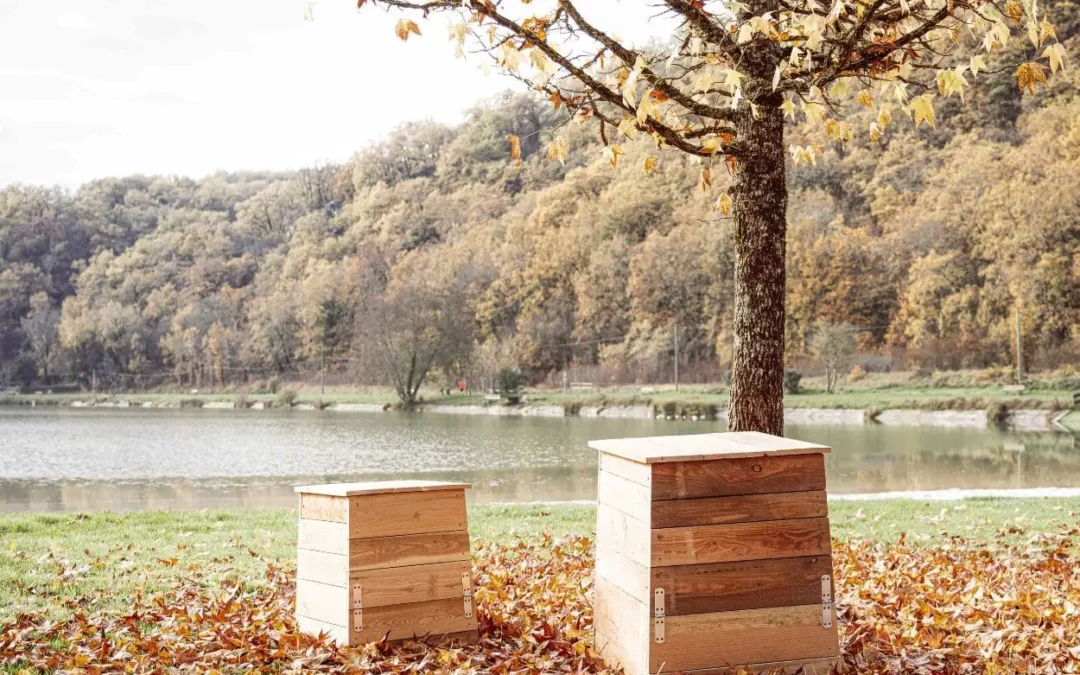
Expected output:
(713, 554)
(384, 560)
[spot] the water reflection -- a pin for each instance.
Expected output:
(72, 459)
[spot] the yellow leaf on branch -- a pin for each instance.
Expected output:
(1030, 74)
(922, 110)
(723, 205)
(612, 153)
(515, 146)
(649, 166)
(705, 182)
(1056, 55)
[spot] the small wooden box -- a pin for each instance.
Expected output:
(713, 553)
(387, 559)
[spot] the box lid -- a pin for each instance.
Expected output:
(379, 487)
(699, 447)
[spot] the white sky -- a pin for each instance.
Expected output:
(94, 88)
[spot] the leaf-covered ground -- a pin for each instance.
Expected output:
(1007, 605)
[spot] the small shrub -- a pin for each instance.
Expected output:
(241, 401)
(274, 384)
(191, 403)
(320, 404)
(997, 413)
(670, 409)
(572, 408)
(857, 373)
(509, 384)
(286, 397)
(792, 381)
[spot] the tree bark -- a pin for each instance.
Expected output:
(760, 204)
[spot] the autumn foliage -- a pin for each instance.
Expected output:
(1012, 606)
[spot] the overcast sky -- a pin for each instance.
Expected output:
(93, 88)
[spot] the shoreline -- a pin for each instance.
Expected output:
(1026, 419)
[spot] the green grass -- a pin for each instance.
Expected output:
(62, 564)
(954, 390)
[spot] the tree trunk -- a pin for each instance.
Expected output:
(760, 201)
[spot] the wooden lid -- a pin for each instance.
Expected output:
(698, 447)
(380, 487)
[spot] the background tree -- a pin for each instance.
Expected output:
(832, 345)
(41, 328)
(720, 91)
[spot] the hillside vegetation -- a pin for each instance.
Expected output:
(431, 254)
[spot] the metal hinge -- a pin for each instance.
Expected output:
(658, 616)
(466, 594)
(826, 601)
(357, 607)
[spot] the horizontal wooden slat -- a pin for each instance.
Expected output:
(416, 583)
(339, 634)
(385, 515)
(326, 568)
(322, 602)
(753, 584)
(699, 447)
(626, 496)
(618, 531)
(380, 487)
(623, 618)
(634, 472)
(323, 535)
(824, 666)
(738, 476)
(630, 576)
(398, 622)
(631, 657)
(411, 549)
(739, 509)
(740, 541)
(700, 641)
(322, 507)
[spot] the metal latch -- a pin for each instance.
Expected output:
(357, 607)
(466, 594)
(658, 616)
(826, 601)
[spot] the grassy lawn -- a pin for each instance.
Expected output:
(67, 564)
(895, 390)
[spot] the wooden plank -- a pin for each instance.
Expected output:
(322, 507)
(398, 622)
(380, 487)
(753, 584)
(417, 583)
(698, 447)
(322, 602)
(617, 531)
(628, 575)
(700, 641)
(411, 549)
(626, 496)
(635, 472)
(740, 476)
(740, 541)
(739, 509)
(826, 666)
(314, 627)
(326, 568)
(631, 658)
(323, 535)
(624, 619)
(384, 515)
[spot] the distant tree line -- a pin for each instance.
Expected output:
(433, 254)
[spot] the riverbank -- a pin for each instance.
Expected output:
(60, 564)
(1041, 411)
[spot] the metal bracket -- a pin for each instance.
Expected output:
(466, 594)
(357, 607)
(658, 616)
(826, 601)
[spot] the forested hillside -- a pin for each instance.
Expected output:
(432, 252)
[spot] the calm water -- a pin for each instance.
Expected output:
(94, 459)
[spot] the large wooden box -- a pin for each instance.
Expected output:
(384, 560)
(713, 554)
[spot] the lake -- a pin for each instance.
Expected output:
(71, 459)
